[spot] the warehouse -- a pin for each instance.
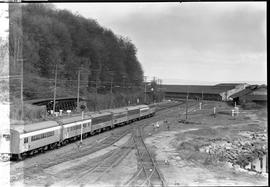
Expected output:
(65, 103)
(219, 92)
(206, 92)
(253, 93)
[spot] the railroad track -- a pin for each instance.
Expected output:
(97, 172)
(84, 149)
(148, 174)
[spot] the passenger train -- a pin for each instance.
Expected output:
(21, 141)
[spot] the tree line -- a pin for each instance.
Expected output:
(45, 37)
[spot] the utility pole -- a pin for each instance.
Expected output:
(22, 89)
(145, 78)
(96, 93)
(124, 81)
(187, 105)
(22, 111)
(78, 91)
(111, 91)
(82, 128)
(54, 95)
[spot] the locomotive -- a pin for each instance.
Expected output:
(20, 141)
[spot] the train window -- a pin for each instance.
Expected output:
(74, 128)
(120, 115)
(41, 136)
(135, 111)
(25, 140)
(101, 119)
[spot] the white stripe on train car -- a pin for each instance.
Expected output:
(77, 123)
(39, 132)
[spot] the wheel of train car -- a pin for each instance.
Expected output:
(19, 157)
(52, 146)
(58, 145)
(46, 148)
(23, 156)
(63, 143)
(31, 153)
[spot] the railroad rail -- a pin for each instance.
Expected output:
(148, 174)
(97, 172)
(85, 149)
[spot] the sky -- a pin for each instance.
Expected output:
(189, 42)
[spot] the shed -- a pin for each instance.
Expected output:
(252, 93)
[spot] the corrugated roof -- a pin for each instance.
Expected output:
(228, 85)
(49, 99)
(194, 89)
(253, 91)
(241, 93)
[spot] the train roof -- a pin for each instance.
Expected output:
(48, 124)
(104, 113)
(134, 107)
(143, 106)
(34, 126)
(118, 110)
(88, 115)
(73, 119)
(122, 109)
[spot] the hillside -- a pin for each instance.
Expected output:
(46, 37)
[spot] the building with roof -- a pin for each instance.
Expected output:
(217, 92)
(232, 89)
(252, 93)
(64, 103)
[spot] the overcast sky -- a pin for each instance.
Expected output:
(194, 43)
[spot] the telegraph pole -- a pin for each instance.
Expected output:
(111, 91)
(78, 91)
(22, 111)
(81, 128)
(187, 105)
(54, 95)
(145, 78)
(22, 88)
(96, 104)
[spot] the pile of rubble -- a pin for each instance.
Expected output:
(240, 152)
